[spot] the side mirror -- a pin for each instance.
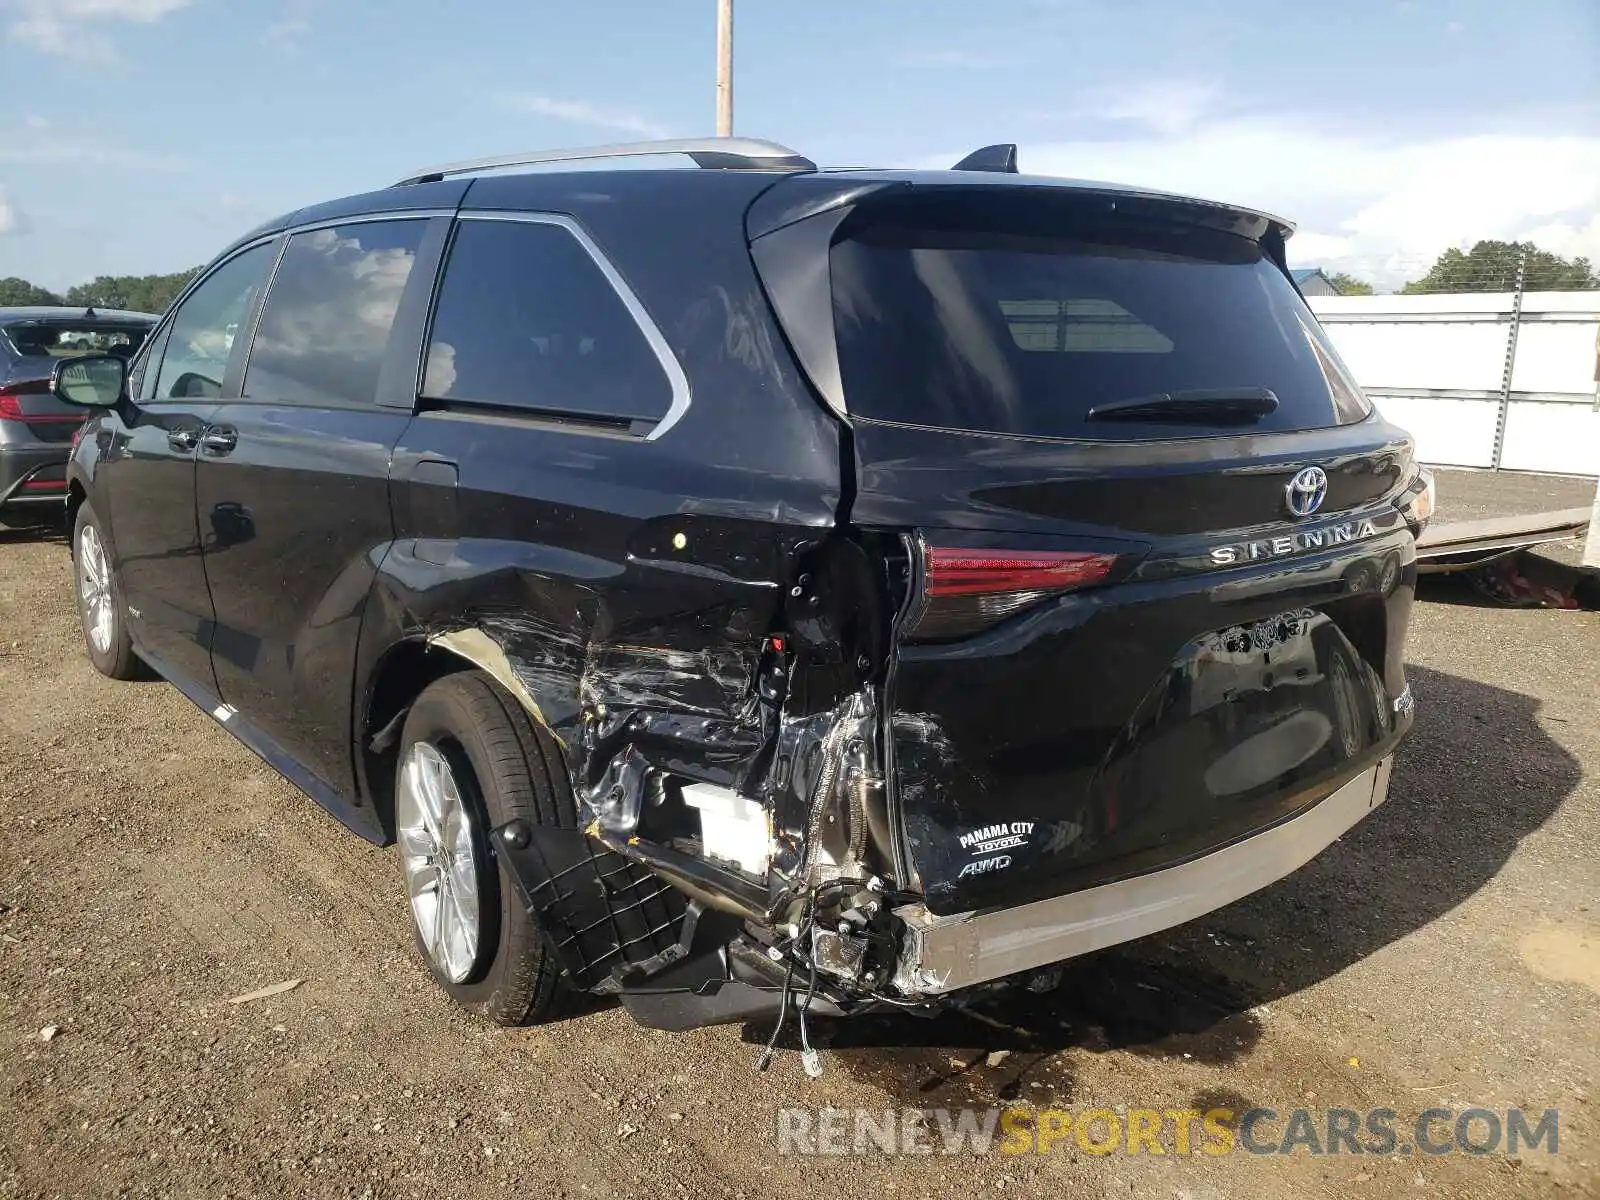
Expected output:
(93, 381)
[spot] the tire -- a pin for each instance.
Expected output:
(502, 767)
(110, 647)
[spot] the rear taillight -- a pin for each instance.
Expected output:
(11, 393)
(965, 590)
(11, 403)
(1419, 500)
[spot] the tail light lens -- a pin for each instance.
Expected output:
(11, 393)
(965, 590)
(11, 403)
(1419, 500)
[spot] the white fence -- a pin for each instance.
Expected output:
(1478, 379)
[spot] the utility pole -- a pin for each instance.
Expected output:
(724, 68)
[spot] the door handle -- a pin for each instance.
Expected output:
(219, 440)
(183, 440)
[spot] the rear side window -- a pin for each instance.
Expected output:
(1019, 317)
(327, 320)
(526, 319)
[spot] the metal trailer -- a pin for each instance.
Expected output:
(1492, 380)
(1481, 379)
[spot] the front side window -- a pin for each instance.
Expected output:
(326, 325)
(203, 329)
(526, 319)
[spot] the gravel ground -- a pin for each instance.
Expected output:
(1467, 495)
(1446, 952)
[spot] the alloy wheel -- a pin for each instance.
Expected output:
(94, 589)
(436, 835)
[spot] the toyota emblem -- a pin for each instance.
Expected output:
(1306, 491)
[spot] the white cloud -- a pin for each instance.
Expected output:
(69, 152)
(12, 219)
(949, 59)
(76, 28)
(581, 112)
(1377, 206)
(293, 26)
(1569, 240)
(288, 33)
(1165, 107)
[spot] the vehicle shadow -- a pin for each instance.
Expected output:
(1456, 813)
(1526, 579)
(54, 532)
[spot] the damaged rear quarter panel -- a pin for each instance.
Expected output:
(613, 636)
(623, 588)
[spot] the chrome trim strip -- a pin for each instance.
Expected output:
(367, 218)
(658, 343)
(944, 954)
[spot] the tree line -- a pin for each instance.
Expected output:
(1488, 267)
(137, 293)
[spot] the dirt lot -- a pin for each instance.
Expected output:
(1446, 953)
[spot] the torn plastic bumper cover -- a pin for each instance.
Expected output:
(945, 954)
(618, 929)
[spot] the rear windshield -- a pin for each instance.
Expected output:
(39, 340)
(1018, 317)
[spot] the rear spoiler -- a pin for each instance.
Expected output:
(801, 196)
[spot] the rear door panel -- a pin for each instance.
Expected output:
(294, 521)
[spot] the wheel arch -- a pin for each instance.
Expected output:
(400, 676)
(76, 496)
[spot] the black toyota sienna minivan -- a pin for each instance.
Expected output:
(725, 578)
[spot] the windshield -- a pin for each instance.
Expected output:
(1019, 317)
(54, 340)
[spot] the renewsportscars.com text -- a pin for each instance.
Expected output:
(1264, 1131)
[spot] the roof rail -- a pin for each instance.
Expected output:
(725, 153)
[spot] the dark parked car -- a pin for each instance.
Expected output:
(873, 585)
(35, 428)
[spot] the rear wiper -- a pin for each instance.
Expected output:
(1200, 406)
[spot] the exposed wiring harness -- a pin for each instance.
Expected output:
(801, 944)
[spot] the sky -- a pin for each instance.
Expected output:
(140, 136)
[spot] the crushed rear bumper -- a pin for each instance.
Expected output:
(945, 954)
